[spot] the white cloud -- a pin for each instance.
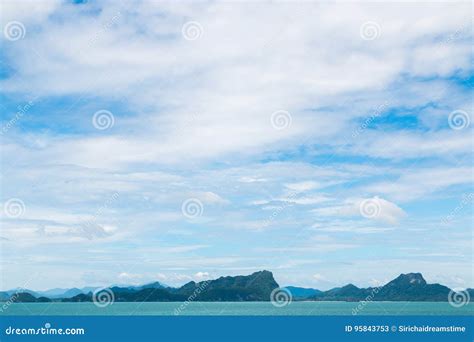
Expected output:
(130, 278)
(313, 248)
(27, 11)
(306, 200)
(414, 184)
(237, 89)
(319, 277)
(200, 276)
(403, 145)
(252, 179)
(212, 198)
(193, 119)
(374, 208)
(386, 211)
(336, 226)
(303, 186)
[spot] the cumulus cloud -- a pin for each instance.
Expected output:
(130, 278)
(200, 276)
(374, 208)
(377, 208)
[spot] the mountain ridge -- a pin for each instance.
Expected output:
(257, 286)
(406, 287)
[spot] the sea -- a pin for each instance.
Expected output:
(237, 308)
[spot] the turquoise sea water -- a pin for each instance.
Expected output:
(238, 308)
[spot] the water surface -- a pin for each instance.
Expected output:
(238, 308)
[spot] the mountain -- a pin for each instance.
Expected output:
(412, 287)
(302, 292)
(79, 298)
(406, 287)
(128, 295)
(70, 293)
(149, 295)
(154, 285)
(60, 293)
(22, 290)
(88, 289)
(25, 297)
(350, 293)
(55, 293)
(152, 292)
(254, 287)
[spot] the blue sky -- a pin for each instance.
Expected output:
(328, 143)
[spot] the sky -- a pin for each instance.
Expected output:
(329, 143)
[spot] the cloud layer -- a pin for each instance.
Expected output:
(277, 120)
